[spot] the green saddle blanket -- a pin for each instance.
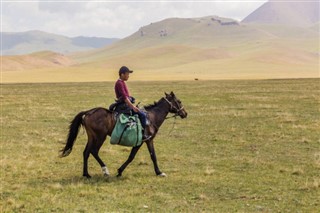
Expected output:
(127, 131)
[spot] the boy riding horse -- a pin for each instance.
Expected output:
(123, 96)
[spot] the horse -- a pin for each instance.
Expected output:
(99, 123)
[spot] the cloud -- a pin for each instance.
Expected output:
(110, 19)
(59, 7)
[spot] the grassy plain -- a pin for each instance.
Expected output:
(246, 146)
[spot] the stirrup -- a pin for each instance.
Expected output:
(146, 137)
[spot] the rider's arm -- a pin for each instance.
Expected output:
(133, 107)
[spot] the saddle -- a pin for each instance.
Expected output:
(119, 106)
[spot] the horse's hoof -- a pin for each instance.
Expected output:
(162, 174)
(106, 175)
(87, 176)
(119, 175)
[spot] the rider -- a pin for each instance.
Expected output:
(123, 95)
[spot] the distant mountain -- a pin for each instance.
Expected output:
(207, 38)
(37, 60)
(209, 47)
(203, 32)
(290, 13)
(199, 32)
(92, 42)
(33, 41)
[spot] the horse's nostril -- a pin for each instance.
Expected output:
(184, 115)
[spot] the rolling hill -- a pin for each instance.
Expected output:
(189, 39)
(32, 41)
(288, 13)
(37, 60)
(209, 47)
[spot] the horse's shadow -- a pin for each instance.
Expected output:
(95, 179)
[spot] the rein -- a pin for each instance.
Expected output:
(173, 116)
(173, 124)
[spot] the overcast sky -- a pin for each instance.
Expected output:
(111, 19)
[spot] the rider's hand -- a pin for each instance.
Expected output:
(135, 109)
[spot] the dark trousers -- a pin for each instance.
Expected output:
(142, 117)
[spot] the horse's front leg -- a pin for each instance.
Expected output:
(133, 153)
(154, 159)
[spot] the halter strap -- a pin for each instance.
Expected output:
(173, 107)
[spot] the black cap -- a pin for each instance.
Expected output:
(124, 69)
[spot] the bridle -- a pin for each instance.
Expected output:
(172, 107)
(176, 113)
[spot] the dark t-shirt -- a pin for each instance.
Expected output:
(121, 90)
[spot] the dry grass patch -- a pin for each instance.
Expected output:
(246, 146)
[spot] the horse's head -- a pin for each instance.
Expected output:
(176, 106)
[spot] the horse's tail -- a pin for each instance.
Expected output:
(73, 133)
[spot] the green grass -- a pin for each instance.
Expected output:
(246, 146)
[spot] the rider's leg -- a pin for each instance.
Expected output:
(143, 120)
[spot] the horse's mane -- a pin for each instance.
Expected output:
(151, 106)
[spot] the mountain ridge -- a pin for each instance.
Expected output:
(21, 43)
(301, 14)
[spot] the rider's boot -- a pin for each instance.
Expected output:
(145, 136)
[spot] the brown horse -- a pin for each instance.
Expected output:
(99, 123)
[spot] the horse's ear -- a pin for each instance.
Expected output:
(166, 94)
(172, 94)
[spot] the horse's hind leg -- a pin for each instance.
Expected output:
(95, 153)
(133, 153)
(86, 154)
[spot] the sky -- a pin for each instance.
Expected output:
(110, 19)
